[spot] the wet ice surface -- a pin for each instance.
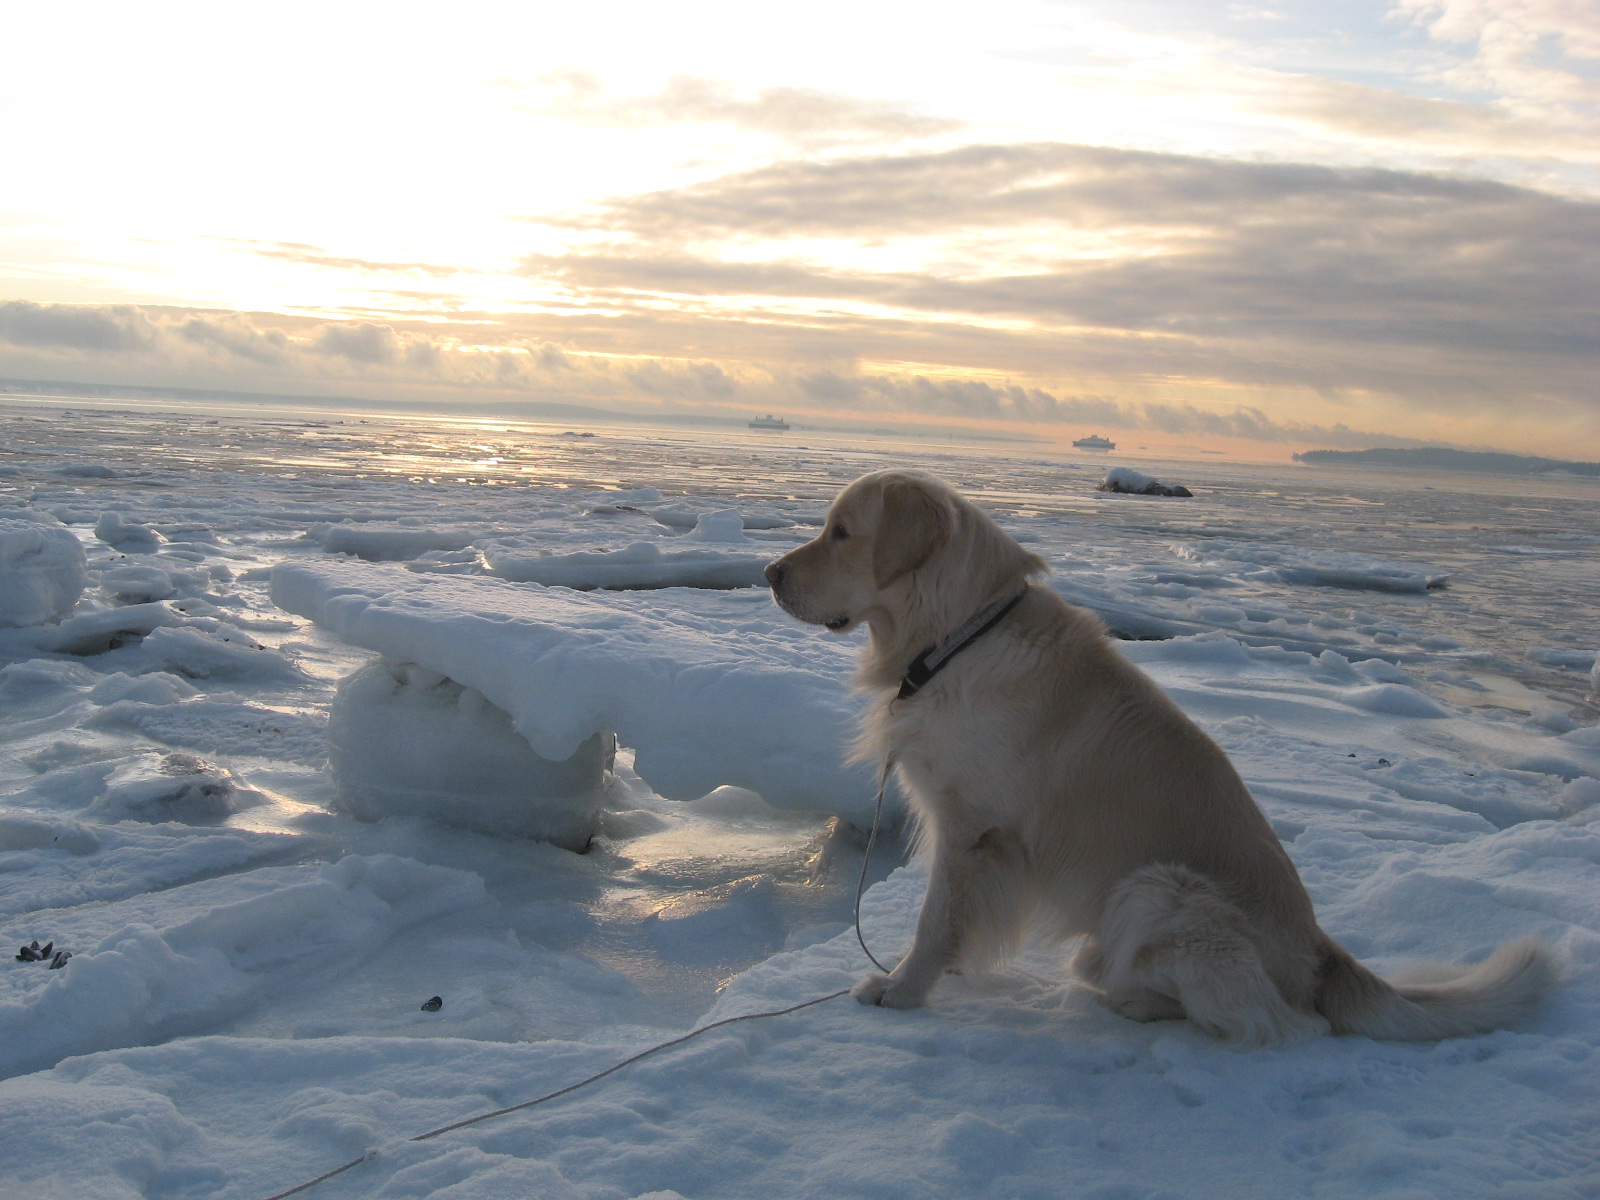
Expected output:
(1399, 665)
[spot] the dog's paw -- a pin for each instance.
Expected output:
(886, 992)
(871, 989)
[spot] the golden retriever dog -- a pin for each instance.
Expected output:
(1055, 784)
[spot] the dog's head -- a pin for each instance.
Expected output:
(898, 549)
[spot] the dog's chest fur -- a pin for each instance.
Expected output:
(959, 748)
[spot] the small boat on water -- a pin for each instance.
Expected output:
(1095, 442)
(770, 422)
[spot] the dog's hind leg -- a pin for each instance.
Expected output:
(1122, 996)
(973, 911)
(1175, 946)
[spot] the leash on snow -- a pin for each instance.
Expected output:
(861, 887)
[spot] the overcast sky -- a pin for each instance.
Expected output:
(1249, 227)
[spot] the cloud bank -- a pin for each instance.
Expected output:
(1433, 292)
(376, 365)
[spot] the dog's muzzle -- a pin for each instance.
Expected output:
(778, 578)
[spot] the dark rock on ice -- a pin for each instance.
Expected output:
(1132, 483)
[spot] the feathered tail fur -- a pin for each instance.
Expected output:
(1493, 994)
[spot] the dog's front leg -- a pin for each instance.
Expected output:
(933, 948)
(971, 892)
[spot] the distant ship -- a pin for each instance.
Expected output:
(770, 422)
(1095, 442)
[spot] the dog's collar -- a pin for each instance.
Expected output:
(936, 657)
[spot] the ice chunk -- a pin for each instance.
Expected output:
(158, 687)
(43, 571)
(680, 516)
(1580, 796)
(1571, 660)
(172, 787)
(1552, 719)
(725, 525)
(1392, 699)
(95, 633)
(126, 535)
(406, 741)
(38, 686)
(227, 655)
(137, 584)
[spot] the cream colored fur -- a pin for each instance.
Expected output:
(1055, 783)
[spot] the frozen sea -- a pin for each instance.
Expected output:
(261, 875)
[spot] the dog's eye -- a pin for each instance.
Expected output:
(840, 533)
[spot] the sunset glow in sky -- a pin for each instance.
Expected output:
(1254, 227)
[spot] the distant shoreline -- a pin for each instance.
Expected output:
(1439, 459)
(540, 411)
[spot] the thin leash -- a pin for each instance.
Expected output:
(500, 1112)
(866, 860)
(861, 886)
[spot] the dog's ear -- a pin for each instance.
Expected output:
(914, 525)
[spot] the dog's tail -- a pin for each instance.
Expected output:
(1451, 1003)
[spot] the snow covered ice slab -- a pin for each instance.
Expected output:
(709, 688)
(641, 566)
(388, 545)
(1315, 568)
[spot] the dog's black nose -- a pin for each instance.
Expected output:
(775, 572)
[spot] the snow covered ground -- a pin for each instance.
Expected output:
(1401, 667)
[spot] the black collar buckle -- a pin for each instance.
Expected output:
(936, 657)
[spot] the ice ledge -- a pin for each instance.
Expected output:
(708, 688)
